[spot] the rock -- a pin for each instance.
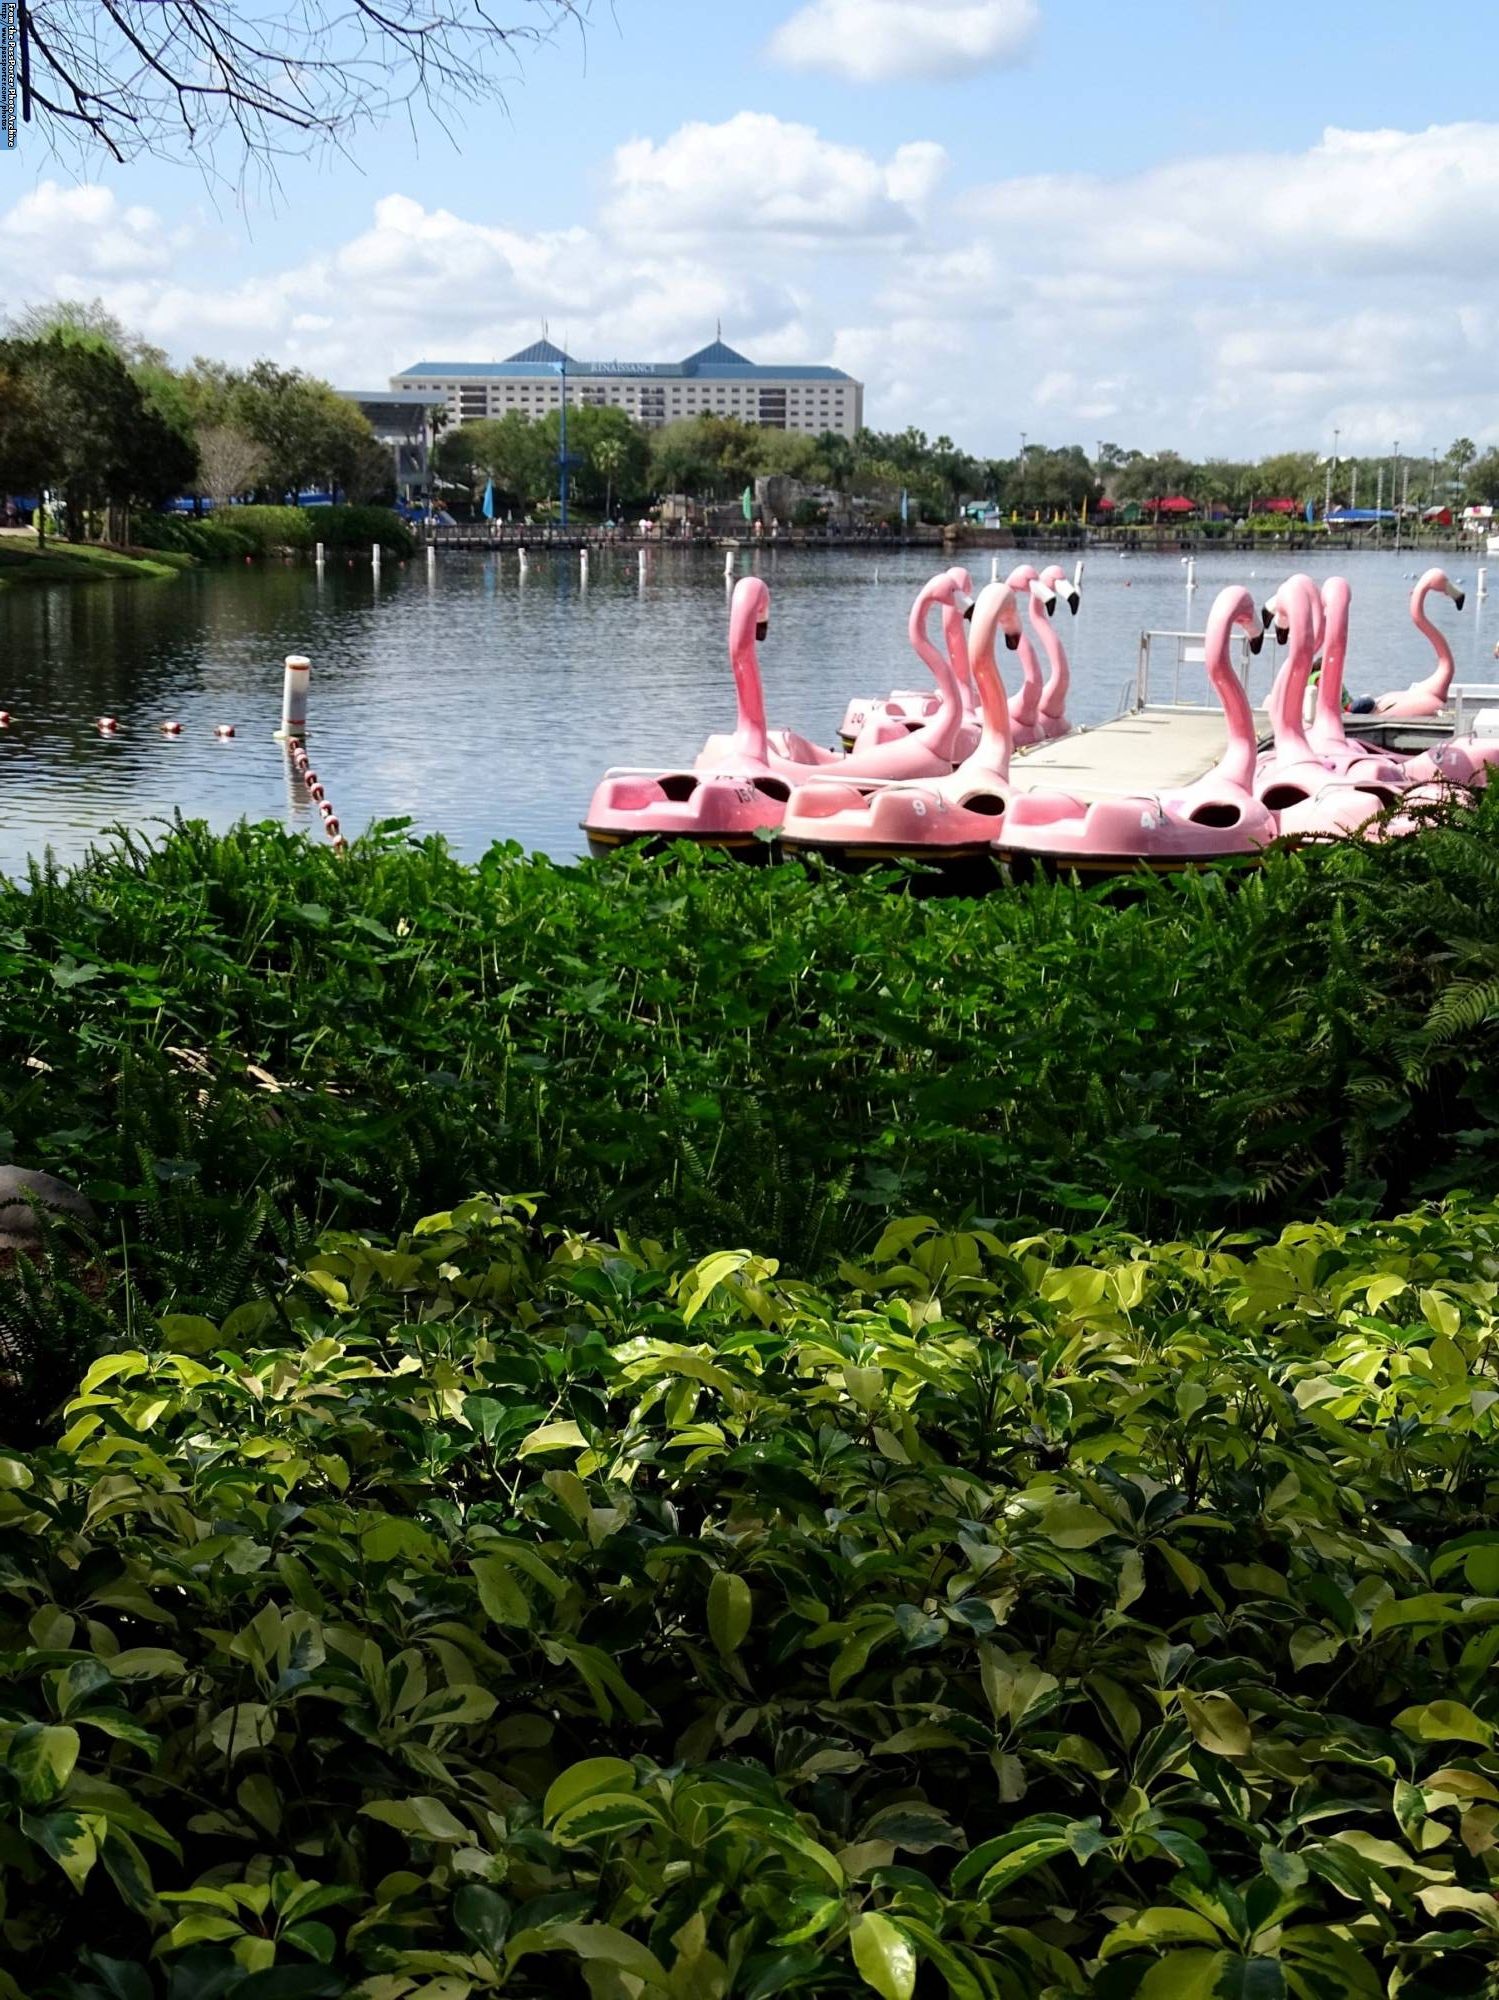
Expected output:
(26, 1195)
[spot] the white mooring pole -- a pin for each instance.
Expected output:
(294, 696)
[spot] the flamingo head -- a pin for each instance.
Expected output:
(1056, 579)
(749, 610)
(997, 610)
(1438, 579)
(1234, 607)
(1022, 576)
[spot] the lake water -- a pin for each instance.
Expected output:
(483, 705)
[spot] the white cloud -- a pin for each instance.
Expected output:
(1355, 202)
(1227, 303)
(889, 41)
(756, 175)
(59, 240)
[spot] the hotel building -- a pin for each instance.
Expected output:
(716, 381)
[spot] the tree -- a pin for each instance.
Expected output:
(23, 432)
(608, 458)
(230, 462)
(103, 443)
(785, 454)
(511, 450)
(89, 321)
(203, 79)
(308, 433)
(835, 460)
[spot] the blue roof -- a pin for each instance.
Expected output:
(542, 362)
(542, 350)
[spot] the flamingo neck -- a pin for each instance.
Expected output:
(955, 640)
(1439, 680)
(931, 656)
(995, 742)
(1054, 694)
(1327, 731)
(1028, 705)
(1236, 765)
(749, 691)
(1290, 731)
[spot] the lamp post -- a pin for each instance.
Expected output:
(1395, 491)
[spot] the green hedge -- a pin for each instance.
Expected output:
(209, 539)
(234, 1041)
(498, 1610)
(239, 531)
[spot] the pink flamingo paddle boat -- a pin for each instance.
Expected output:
(869, 720)
(928, 751)
(1051, 716)
(948, 821)
(731, 807)
(1215, 815)
(1310, 796)
(1428, 696)
(1462, 761)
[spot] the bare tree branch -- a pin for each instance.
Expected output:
(237, 86)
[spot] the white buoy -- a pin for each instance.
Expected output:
(994, 569)
(876, 572)
(431, 555)
(1077, 574)
(583, 565)
(642, 565)
(294, 696)
(1191, 572)
(1483, 585)
(728, 562)
(522, 562)
(318, 555)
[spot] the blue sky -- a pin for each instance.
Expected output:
(1219, 226)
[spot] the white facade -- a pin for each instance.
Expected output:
(715, 382)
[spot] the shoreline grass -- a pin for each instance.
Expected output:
(24, 565)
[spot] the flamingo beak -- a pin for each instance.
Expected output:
(968, 612)
(762, 628)
(1459, 597)
(1074, 599)
(1012, 642)
(1256, 641)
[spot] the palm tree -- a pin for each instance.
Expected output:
(608, 457)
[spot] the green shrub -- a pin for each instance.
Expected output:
(235, 1040)
(233, 532)
(209, 538)
(501, 1610)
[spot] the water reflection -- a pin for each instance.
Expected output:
(481, 696)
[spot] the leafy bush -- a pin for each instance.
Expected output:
(498, 1610)
(209, 539)
(239, 531)
(217, 1030)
